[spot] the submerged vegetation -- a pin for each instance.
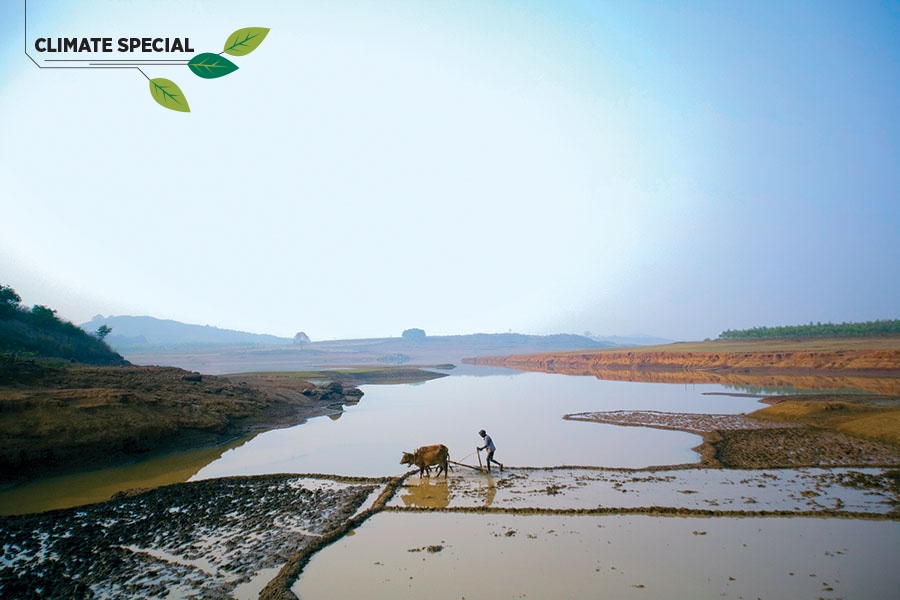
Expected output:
(817, 330)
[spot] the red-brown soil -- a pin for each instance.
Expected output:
(814, 365)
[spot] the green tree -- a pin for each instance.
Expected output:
(103, 331)
(43, 316)
(819, 329)
(9, 301)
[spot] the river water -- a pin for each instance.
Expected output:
(505, 555)
(521, 411)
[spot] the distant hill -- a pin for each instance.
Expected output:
(152, 341)
(631, 340)
(130, 333)
(37, 333)
(424, 351)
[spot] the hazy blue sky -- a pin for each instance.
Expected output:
(673, 168)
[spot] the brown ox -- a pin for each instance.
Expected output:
(426, 457)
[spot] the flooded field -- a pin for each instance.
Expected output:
(472, 556)
(581, 510)
(527, 532)
(843, 492)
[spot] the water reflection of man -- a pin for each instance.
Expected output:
(490, 492)
(489, 444)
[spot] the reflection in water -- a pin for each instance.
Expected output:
(488, 489)
(525, 410)
(76, 489)
(753, 382)
(437, 493)
(426, 493)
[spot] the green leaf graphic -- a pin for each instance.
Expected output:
(244, 41)
(167, 94)
(210, 66)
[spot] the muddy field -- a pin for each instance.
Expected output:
(249, 537)
(210, 539)
(240, 537)
(255, 537)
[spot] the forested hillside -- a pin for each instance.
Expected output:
(38, 333)
(867, 329)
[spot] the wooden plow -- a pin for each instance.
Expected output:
(459, 464)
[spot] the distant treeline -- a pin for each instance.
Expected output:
(38, 333)
(867, 329)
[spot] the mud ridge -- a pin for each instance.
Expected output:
(655, 511)
(279, 587)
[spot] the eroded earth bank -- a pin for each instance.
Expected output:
(68, 418)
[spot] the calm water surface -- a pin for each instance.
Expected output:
(641, 557)
(522, 412)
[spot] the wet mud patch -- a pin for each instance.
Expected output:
(208, 539)
(690, 422)
(742, 442)
(800, 446)
(249, 537)
(839, 492)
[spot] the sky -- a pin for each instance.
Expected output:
(673, 169)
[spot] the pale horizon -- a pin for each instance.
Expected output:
(540, 167)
